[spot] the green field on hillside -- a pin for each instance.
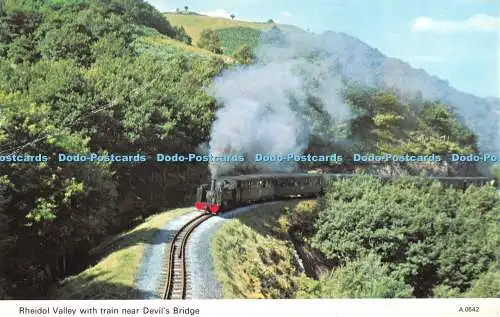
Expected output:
(160, 45)
(194, 24)
(232, 33)
(233, 38)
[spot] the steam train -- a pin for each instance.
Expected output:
(229, 192)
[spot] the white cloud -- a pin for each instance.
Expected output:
(478, 22)
(221, 13)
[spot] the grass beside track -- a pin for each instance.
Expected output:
(113, 277)
(252, 254)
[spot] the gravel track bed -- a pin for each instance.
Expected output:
(204, 284)
(201, 275)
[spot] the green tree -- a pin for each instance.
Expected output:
(71, 41)
(487, 285)
(244, 55)
(367, 277)
(495, 170)
(382, 123)
(143, 13)
(22, 49)
(182, 35)
(209, 40)
(233, 16)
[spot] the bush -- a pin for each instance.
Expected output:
(487, 285)
(143, 13)
(366, 277)
(181, 35)
(209, 40)
(244, 55)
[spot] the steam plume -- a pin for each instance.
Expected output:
(268, 106)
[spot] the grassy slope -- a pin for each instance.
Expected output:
(194, 24)
(233, 38)
(164, 43)
(253, 255)
(113, 277)
(232, 33)
(158, 44)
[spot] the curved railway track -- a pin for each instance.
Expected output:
(175, 285)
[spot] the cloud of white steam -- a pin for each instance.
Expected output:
(267, 106)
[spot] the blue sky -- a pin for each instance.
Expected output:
(456, 40)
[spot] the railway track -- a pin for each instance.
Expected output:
(175, 285)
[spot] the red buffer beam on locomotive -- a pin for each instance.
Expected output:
(206, 199)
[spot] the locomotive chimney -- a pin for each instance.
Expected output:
(212, 185)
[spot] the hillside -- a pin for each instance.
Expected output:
(81, 77)
(159, 44)
(194, 24)
(232, 33)
(364, 65)
(369, 66)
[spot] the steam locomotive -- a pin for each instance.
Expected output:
(229, 192)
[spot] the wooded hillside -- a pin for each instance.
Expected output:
(78, 77)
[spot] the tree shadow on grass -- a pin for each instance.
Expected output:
(101, 280)
(141, 236)
(96, 286)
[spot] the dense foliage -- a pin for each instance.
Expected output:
(244, 55)
(76, 80)
(382, 123)
(233, 38)
(181, 35)
(366, 277)
(209, 40)
(439, 241)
